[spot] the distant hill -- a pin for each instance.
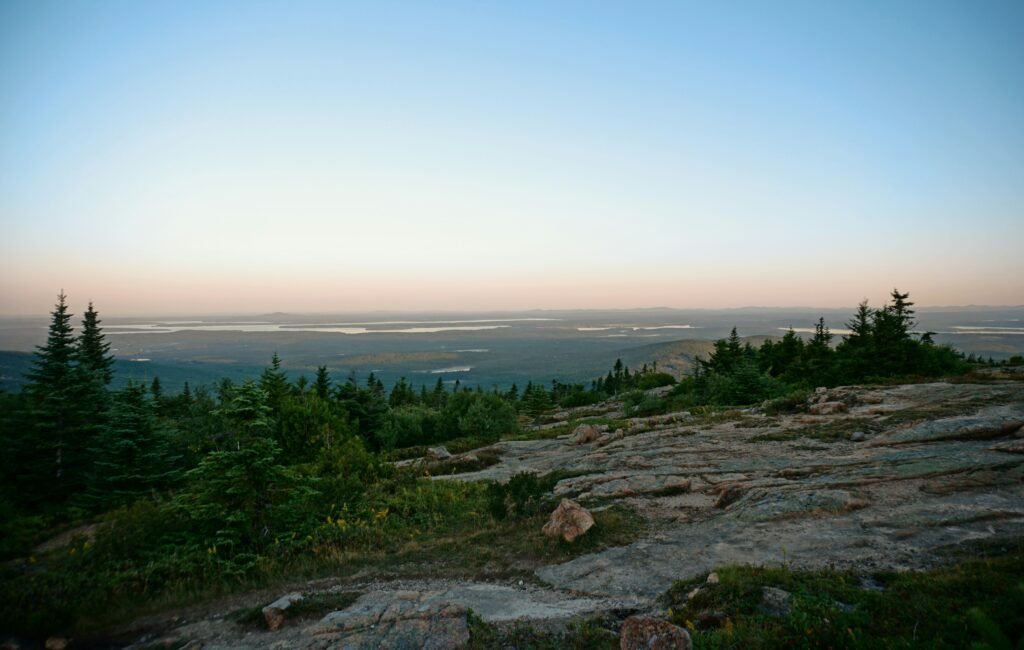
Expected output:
(677, 357)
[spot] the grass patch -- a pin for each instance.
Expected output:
(544, 434)
(830, 431)
(507, 549)
(977, 601)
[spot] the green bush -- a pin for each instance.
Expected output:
(523, 495)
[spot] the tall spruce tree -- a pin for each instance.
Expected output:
(93, 350)
(55, 394)
(274, 383)
(322, 383)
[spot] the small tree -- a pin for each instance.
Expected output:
(247, 415)
(322, 383)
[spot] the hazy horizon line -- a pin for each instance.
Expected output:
(455, 311)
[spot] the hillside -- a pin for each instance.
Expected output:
(863, 480)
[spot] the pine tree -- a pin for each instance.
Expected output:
(247, 414)
(93, 350)
(274, 383)
(440, 395)
(55, 390)
(818, 353)
(322, 383)
(133, 455)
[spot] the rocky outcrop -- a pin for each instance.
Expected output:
(569, 521)
(728, 495)
(438, 453)
(648, 633)
(405, 620)
(623, 485)
(826, 408)
(995, 422)
(275, 613)
(585, 433)
(775, 601)
(1010, 447)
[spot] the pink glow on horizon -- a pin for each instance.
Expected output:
(154, 293)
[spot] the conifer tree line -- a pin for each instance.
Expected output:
(881, 345)
(73, 442)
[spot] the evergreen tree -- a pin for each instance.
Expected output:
(893, 346)
(55, 390)
(440, 395)
(818, 353)
(93, 350)
(402, 394)
(274, 383)
(536, 399)
(246, 415)
(726, 356)
(322, 383)
(132, 455)
(860, 326)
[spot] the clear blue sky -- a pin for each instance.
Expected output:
(218, 156)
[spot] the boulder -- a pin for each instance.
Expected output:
(585, 433)
(676, 485)
(607, 438)
(649, 633)
(857, 436)
(56, 643)
(775, 601)
(712, 578)
(826, 408)
(568, 521)
(275, 613)
(438, 453)
(728, 495)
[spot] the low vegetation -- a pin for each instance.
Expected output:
(974, 603)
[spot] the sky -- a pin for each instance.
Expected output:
(219, 157)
